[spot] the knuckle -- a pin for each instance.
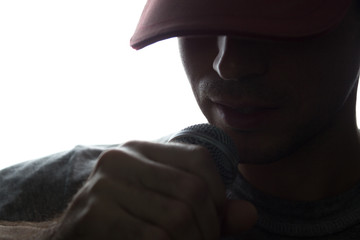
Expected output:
(133, 144)
(200, 151)
(109, 154)
(111, 157)
(201, 156)
(107, 157)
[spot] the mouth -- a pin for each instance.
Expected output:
(244, 116)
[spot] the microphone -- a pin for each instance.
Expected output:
(218, 143)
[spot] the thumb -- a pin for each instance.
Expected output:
(239, 216)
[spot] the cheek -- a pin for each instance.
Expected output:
(201, 97)
(197, 56)
(331, 83)
(318, 81)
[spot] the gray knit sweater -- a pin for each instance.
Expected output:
(41, 189)
(330, 219)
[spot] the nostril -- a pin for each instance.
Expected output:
(230, 67)
(227, 71)
(225, 66)
(232, 70)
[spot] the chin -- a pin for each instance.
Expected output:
(266, 148)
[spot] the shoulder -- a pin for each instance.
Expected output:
(42, 188)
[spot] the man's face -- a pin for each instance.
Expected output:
(272, 97)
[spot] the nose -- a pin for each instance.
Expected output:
(239, 59)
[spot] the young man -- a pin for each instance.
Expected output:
(280, 78)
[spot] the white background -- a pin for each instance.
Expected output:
(68, 76)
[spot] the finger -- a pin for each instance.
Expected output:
(169, 181)
(102, 218)
(173, 216)
(129, 227)
(190, 158)
(198, 162)
(198, 184)
(239, 216)
(191, 190)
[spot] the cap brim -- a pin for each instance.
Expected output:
(287, 19)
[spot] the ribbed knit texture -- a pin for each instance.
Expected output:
(334, 218)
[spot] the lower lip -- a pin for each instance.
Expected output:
(253, 120)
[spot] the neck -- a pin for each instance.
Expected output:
(327, 165)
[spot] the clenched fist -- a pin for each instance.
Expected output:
(146, 190)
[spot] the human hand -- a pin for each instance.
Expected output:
(154, 191)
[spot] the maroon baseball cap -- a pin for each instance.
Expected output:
(284, 19)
